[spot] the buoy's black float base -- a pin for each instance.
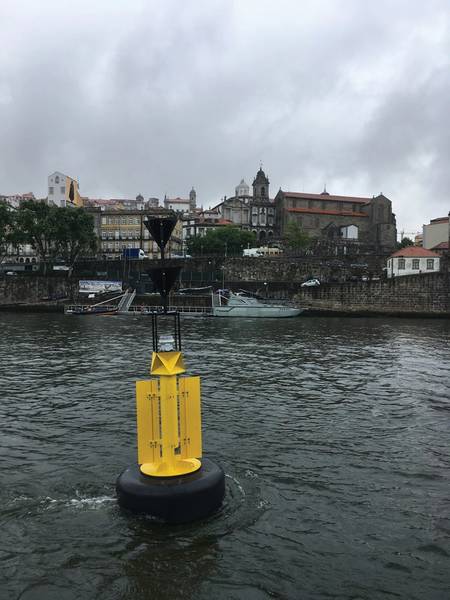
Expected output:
(173, 499)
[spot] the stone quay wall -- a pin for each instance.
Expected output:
(425, 294)
(411, 295)
(36, 289)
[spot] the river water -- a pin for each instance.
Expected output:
(333, 433)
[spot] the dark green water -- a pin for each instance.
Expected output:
(334, 435)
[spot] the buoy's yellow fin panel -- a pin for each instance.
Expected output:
(190, 417)
(148, 421)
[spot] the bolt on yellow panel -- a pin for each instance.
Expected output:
(190, 417)
(148, 421)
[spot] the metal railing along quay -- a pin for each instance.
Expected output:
(136, 310)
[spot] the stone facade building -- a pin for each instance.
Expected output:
(254, 212)
(342, 220)
(120, 229)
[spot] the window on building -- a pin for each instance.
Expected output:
(103, 235)
(350, 232)
(401, 264)
(50, 190)
(430, 264)
(56, 179)
(63, 189)
(103, 220)
(415, 263)
(263, 191)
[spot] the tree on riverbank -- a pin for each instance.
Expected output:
(6, 229)
(226, 241)
(74, 234)
(55, 232)
(36, 225)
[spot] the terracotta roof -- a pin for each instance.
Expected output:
(318, 211)
(414, 251)
(441, 246)
(326, 197)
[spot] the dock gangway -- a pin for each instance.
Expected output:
(126, 301)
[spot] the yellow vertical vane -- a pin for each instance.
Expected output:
(168, 419)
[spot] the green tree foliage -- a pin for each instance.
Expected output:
(55, 232)
(406, 241)
(74, 234)
(6, 229)
(227, 240)
(36, 225)
(294, 236)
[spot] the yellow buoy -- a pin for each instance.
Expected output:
(168, 419)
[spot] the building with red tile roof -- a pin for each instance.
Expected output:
(343, 220)
(412, 260)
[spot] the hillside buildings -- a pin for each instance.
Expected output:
(125, 228)
(15, 200)
(182, 205)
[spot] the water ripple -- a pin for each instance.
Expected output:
(333, 434)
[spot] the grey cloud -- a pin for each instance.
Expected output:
(155, 97)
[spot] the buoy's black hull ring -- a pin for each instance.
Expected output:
(173, 499)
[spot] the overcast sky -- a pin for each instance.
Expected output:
(153, 97)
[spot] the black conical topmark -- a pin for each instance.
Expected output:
(161, 229)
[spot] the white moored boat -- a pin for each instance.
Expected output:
(241, 305)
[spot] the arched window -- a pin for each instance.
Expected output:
(263, 191)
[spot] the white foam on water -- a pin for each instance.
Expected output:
(92, 503)
(239, 486)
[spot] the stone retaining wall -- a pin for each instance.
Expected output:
(426, 294)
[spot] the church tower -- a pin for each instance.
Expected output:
(192, 199)
(261, 186)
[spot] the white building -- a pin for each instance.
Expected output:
(63, 190)
(182, 205)
(436, 232)
(412, 260)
